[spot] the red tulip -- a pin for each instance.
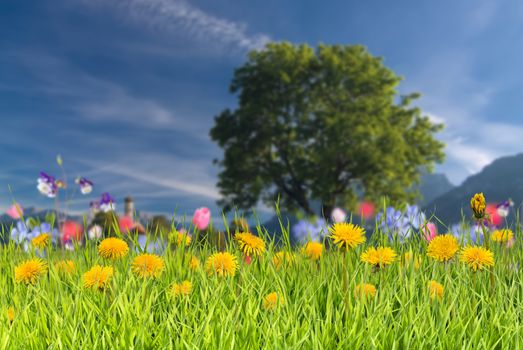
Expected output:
(493, 217)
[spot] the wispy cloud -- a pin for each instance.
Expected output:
(179, 16)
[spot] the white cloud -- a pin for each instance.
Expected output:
(179, 17)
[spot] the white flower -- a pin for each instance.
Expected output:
(338, 215)
(95, 232)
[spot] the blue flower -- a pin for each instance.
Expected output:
(401, 225)
(466, 235)
(312, 230)
(156, 245)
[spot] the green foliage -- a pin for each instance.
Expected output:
(326, 125)
(108, 222)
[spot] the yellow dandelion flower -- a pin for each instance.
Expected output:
(477, 257)
(272, 300)
(313, 250)
(113, 248)
(379, 257)
(98, 276)
(66, 267)
(282, 259)
(148, 265)
(443, 247)
(250, 244)
(364, 290)
(10, 312)
(194, 263)
(347, 236)
(30, 271)
(410, 259)
(180, 238)
(435, 290)
(181, 289)
(502, 236)
(478, 205)
(41, 241)
(222, 264)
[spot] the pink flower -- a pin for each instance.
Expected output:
(201, 218)
(125, 223)
(429, 231)
(366, 209)
(247, 259)
(493, 217)
(72, 231)
(16, 211)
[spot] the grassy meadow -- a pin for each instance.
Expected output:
(317, 304)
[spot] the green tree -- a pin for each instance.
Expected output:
(327, 125)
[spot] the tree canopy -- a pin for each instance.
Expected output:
(325, 124)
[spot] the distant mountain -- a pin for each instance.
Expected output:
(498, 181)
(432, 186)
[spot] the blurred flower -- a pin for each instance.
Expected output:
(503, 208)
(272, 301)
(379, 257)
(148, 265)
(313, 230)
(347, 236)
(430, 230)
(60, 184)
(250, 244)
(15, 211)
(151, 244)
(401, 225)
(478, 205)
(366, 209)
(10, 314)
(86, 186)
(194, 263)
(95, 232)
(410, 259)
(65, 267)
(72, 231)
(181, 289)
(113, 248)
(313, 250)
(180, 238)
(364, 290)
(338, 215)
(106, 203)
(477, 257)
(98, 276)
(41, 241)
(221, 264)
(435, 290)
(465, 234)
(21, 232)
(443, 247)
(502, 236)
(30, 271)
(492, 217)
(125, 224)
(201, 218)
(46, 185)
(281, 259)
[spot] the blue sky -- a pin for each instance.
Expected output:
(126, 90)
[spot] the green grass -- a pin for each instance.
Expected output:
(480, 310)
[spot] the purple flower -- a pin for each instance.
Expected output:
(86, 186)
(46, 184)
(106, 203)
